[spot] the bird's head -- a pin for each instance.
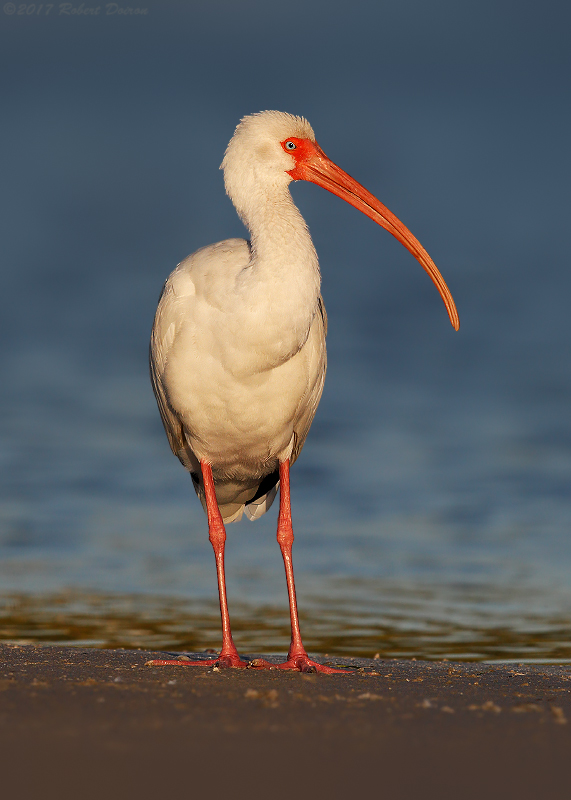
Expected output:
(270, 149)
(255, 160)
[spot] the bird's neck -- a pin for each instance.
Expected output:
(283, 273)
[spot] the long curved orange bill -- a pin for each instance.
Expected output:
(313, 165)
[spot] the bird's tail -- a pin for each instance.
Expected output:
(256, 508)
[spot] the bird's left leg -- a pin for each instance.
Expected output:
(297, 657)
(217, 534)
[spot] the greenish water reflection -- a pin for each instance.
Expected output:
(412, 628)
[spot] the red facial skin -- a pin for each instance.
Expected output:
(305, 149)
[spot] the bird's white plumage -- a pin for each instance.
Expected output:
(238, 345)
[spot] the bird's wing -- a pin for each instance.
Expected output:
(310, 405)
(192, 276)
(162, 338)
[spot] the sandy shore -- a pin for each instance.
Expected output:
(91, 723)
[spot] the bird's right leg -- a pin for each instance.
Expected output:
(217, 534)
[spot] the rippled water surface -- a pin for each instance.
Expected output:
(409, 622)
(432, 500)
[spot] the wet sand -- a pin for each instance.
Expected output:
(86, 723)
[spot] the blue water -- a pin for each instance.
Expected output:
(432, 499)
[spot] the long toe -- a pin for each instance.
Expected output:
(224, 661)
(303, 663)
(179, 662)
(261, 663)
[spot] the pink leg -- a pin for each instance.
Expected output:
(297, 657)
(217, 534)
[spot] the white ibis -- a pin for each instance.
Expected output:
(238, 344)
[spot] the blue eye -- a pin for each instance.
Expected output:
(290, 145)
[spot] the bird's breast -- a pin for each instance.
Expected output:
(240, 396)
